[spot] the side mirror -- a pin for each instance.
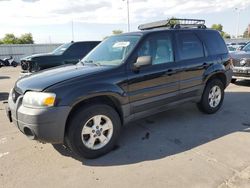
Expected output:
(143, 61)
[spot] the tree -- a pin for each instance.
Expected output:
(9, 38)
(114, 32)
(117, 32)
(173, 21)
(219, 28)
(246, 34)
(26, 39)
(226, 36)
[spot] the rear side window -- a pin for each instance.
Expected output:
(78, 49)
(214, 43)
(189, 46)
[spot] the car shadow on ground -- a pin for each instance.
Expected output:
(4, 77)
(174, 131)
(4, 96)
(243, 83)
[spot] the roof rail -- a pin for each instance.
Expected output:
(175, 23)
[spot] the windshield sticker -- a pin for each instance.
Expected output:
(121, 44)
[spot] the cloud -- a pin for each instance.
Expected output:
(86, 7)
(30, 1)
(37, 12)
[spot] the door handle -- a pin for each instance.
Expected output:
(205, 65)
(170, 72)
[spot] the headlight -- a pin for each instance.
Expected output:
(243, 62)
(39, 99)
(10, 94)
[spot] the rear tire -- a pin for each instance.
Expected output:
(6, 63)
(212, 97)
(233, 80)
(93, 131)
(14, 64)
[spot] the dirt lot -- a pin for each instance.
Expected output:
(178, 148)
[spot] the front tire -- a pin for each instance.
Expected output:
(212, 98)
(233, 80)
(93, 131)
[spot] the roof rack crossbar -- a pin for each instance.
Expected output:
(174, 23)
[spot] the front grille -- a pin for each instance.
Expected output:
(236, 63)
(28, 65)
(15, 95)
(242, 74)
(24, 65)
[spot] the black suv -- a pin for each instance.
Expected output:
(126, 77)
(68, 53)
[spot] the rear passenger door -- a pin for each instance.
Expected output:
(191, 59)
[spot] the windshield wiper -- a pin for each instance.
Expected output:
(91, 62)
(96, 64)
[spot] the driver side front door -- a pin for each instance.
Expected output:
(155, 85)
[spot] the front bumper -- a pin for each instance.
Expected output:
(241, 73)
(43, 124)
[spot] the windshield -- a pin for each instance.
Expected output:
(112, 51)
(61, 49)
(231, 48)
(247, 47)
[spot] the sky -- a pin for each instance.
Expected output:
(50, 21)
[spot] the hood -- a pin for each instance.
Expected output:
(240, 54)
(41, 80)
(37, 55)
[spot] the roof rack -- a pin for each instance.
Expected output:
(175, 23)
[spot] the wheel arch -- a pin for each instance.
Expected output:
(101, 99)
(217, 75)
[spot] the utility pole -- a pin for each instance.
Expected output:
(128, 14)
(238, 11)
(238, 22)
(50, 39)
(72, 29)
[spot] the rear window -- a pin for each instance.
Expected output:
(214, 43)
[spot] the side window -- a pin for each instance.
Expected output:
(247, 47)
(159, 47)
(78, 49)
(189, 46)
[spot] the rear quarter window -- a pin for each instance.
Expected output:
(214, 43)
